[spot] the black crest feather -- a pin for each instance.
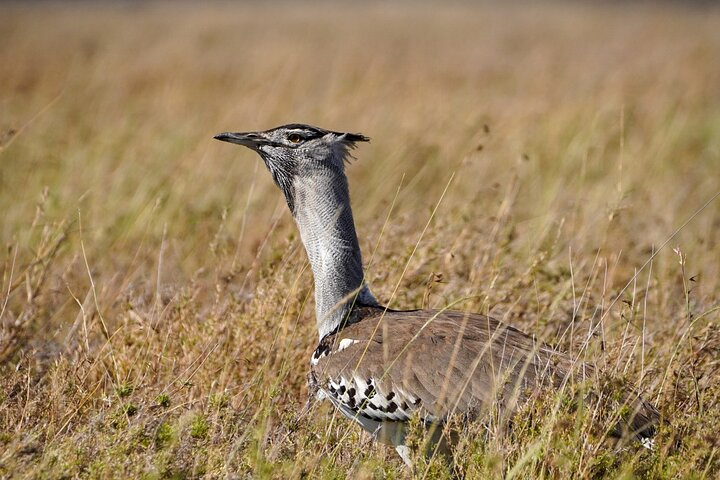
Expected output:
(354, 137)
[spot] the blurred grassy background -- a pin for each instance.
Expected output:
(154, 292)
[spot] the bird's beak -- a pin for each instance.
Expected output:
(250, 139)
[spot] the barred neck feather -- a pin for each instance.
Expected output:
(324, 217)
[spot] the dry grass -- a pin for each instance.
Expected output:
(155, 308)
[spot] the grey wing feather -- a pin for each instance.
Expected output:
(436, 364)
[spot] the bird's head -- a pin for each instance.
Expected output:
(298, 151)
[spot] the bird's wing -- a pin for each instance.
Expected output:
(389, 365)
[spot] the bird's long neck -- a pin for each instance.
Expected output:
(324, 217)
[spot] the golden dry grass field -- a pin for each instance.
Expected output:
(156, 312)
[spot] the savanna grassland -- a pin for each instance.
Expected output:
(545, 165)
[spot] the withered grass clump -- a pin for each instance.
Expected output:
(156, 314)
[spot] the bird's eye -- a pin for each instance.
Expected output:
(294, 138)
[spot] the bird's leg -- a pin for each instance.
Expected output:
(404, 452)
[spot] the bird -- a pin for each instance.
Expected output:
(382, 367)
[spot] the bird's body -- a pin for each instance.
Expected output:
(386, 366)
(382, 367)
(458, 364)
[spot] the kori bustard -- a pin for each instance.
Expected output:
(380, 367)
